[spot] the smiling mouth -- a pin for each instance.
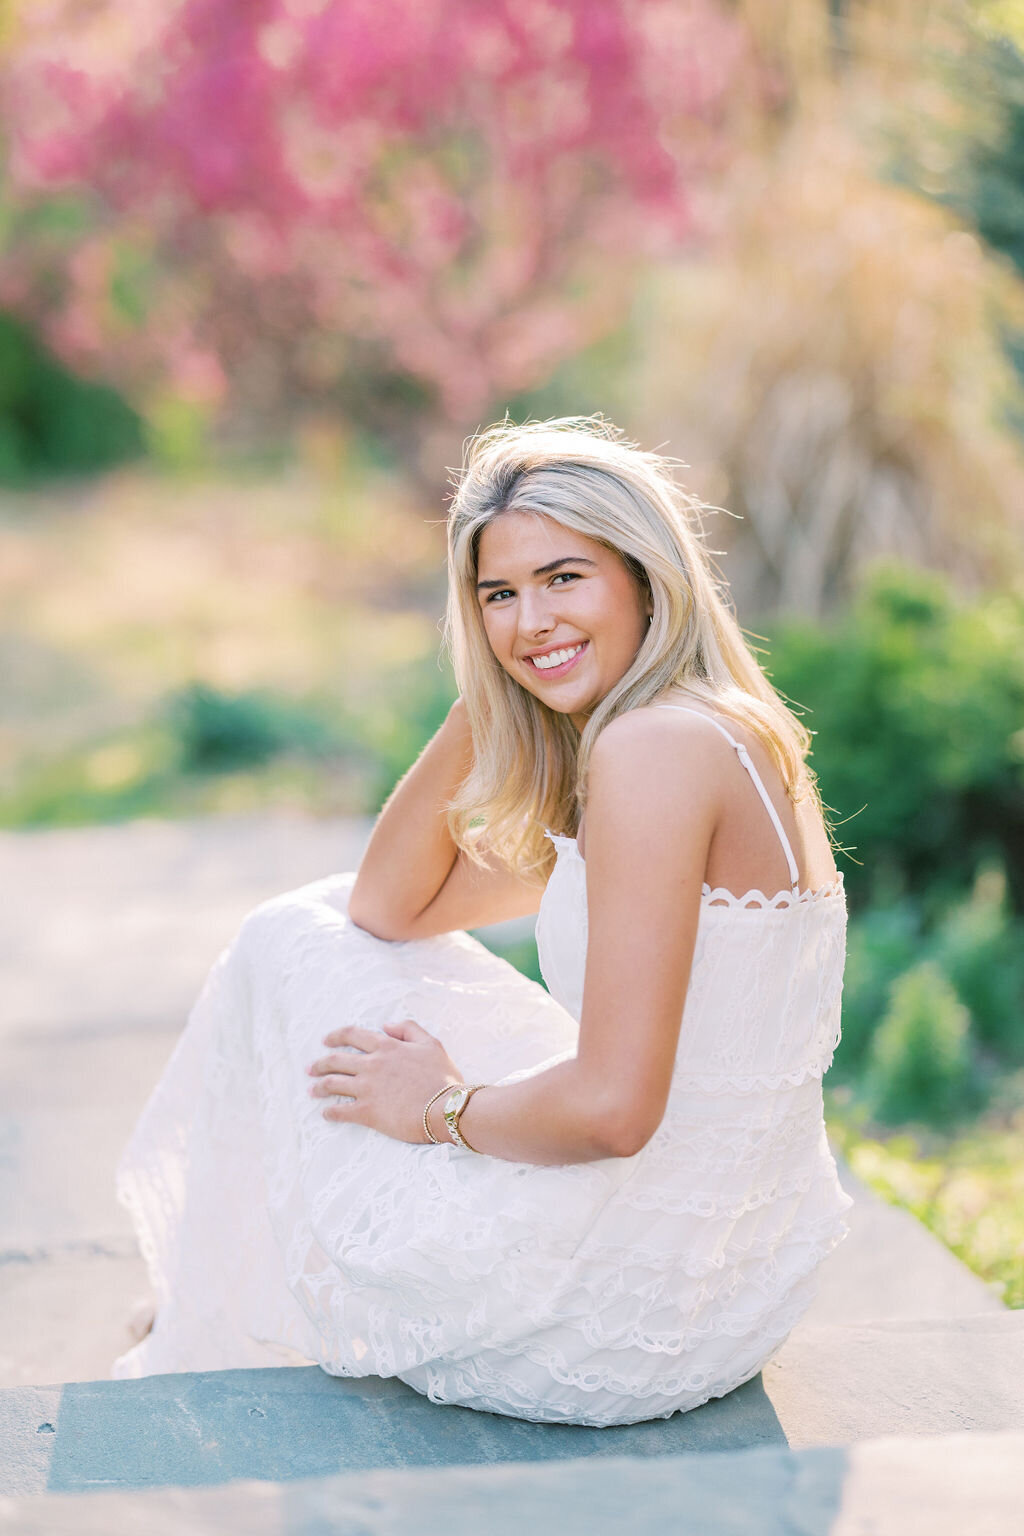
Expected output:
(557, 663)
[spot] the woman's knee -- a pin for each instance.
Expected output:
(281, 921)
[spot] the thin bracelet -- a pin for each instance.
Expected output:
(432, 1100)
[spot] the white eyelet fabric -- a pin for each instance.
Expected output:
(594, 1293)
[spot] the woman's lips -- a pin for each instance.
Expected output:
(559, 671)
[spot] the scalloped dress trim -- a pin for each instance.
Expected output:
(725, 900)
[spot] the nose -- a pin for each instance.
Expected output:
(536, 613)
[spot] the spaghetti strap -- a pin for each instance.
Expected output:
(745, 759)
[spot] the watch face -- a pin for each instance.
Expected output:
(454, 1102)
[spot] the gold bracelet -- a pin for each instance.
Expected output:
(426, 1110)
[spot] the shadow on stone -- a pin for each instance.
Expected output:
(285, 1424)
(771, 1491)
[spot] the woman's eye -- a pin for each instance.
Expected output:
(508, 592)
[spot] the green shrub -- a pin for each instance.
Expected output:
(975, 942)
(981, 949)
(219, 731)
(919, 1064)
(882, 944)
(917, 700)
(52, 423)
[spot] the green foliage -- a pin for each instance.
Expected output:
(919, 1060)
(177, 433)
(986, 182)
(219, 731)
(108, 780)
(52, 423)
(202, 749)
(981, 949)
(976, 943)
(169, 762)
(396, 735)
(966, 1183)
(881, 945)
(918, 702)
(969, 154)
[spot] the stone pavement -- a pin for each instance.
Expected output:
(955, 1485)
(102, 951)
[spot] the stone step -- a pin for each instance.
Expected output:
(950, 1485)
(890, 1266)
(827, 1386)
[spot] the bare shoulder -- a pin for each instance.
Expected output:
(655, 772)
(663, 747)
(686, 754)
(653, 722)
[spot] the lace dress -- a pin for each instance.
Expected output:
(592, 1293)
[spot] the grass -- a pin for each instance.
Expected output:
(297, 612)
(966, 1185)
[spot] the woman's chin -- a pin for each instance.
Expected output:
(580, 706)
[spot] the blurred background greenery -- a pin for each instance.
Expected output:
(229, 391)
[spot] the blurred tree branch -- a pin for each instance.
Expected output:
(289, 204)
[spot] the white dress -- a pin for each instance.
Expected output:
(591, 1293)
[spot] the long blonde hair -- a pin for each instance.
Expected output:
(530, 767)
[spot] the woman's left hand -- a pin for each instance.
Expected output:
(385, 1082)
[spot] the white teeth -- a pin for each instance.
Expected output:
(555, 658)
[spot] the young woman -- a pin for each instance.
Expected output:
(381, 1148)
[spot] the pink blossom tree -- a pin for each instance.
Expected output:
(279, 196)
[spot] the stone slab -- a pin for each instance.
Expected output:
(68, 1102)
(294, 1422)
(826, 1387)
(890, 1266)
(836, 1385)
(65, 1310)
(948, 1486)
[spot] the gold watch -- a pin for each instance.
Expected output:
(454, 1105)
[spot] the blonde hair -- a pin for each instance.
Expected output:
(530, 766)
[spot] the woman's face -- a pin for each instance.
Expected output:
(563, 614)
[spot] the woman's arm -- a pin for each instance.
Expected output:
(411, 852)
(413, 882)
(651, 813)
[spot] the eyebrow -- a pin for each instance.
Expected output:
(542, 570)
